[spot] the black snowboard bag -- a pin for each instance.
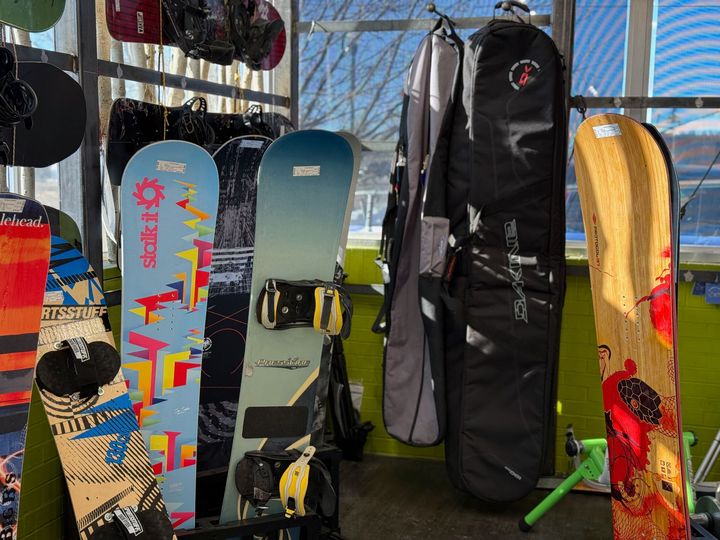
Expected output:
(496, 190)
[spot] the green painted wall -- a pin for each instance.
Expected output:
(579, 399)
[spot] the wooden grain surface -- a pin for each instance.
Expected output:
(623, 183)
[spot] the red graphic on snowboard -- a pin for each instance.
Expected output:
(660, 299)
(637, 417)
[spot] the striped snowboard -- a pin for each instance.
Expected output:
(24, 254)
(101, 449)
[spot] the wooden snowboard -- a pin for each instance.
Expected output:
(102, 451)
(624, 183)
(24, 255)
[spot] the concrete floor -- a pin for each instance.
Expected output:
(403, 499)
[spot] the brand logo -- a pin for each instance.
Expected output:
(293, 362)
(513, 473)
(22, 222)
(515, 270)
(140, 22)
(596, 241)
(72, 313)
(127, 517)
(207, 344)
(117, 449)
(522, 73)
(149, 193)
(9, 496)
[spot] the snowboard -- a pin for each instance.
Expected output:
(25, 252)
(229, 298)
(135, 124)
(169, 202)
(61, 104)
(303, 189)
(64, 226)
(143, 21)
(31, 15)
(101, 449)
(629, 212)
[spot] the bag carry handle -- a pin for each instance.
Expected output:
(509, 5)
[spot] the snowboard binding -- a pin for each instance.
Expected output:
(187, 27)
(302, 304)
(255, 121)
(262, 476)
(129, 524)
(193, 126)
(252, 35)
(18, 100)
(77, 368)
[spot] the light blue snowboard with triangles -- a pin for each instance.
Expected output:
(169, 206)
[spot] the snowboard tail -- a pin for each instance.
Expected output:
(624, 183)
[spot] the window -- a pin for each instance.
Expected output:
(599, 50)
(353, 81)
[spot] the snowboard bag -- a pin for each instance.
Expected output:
(496, 191)
(349, 432)
(413, 387)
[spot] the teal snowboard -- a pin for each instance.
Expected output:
(304, 185)
(31, 15)
(169, 206)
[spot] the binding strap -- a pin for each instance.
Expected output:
(75, 366)
(126, 522)
(294, 484)
(328, 317)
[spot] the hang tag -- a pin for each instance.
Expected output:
(607, 130)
